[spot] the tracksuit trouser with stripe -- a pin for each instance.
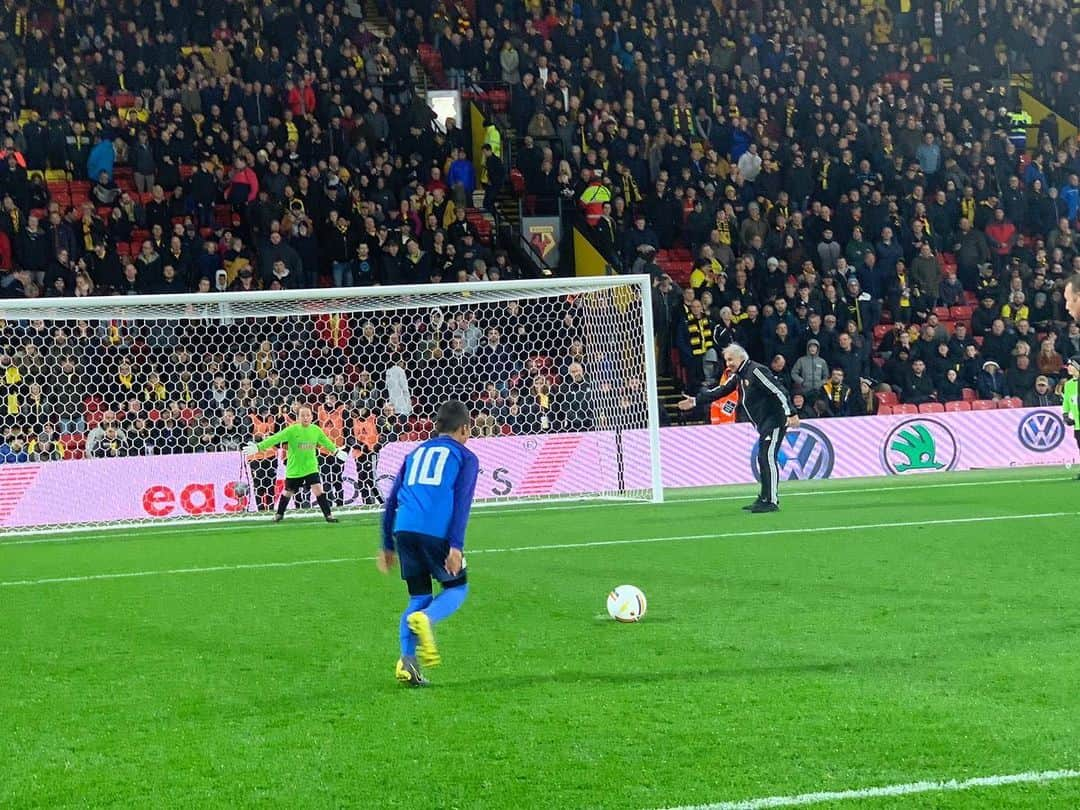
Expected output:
(770, 435)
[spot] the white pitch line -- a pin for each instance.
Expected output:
(206, 570)
(632, 541)
(908, 789)
(149, 530)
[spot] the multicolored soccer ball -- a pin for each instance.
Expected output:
(626, 603)
(240, 488)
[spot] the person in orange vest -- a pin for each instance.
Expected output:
(264, 465)
(364, 444)
(724, 410)
(330, 416)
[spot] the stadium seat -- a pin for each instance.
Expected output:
(880, 331)
(969, 395)
(942, 313)
(931, 407)
(960, 313)
(886, 398)
(958, 406)
(905, 407)
(983, 405)
(1010, 402)
(884, 410)
(517, 181)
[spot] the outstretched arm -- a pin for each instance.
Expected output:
(689, 402)
(274, 439)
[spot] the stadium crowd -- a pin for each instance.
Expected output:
(855, 204)
(153, 387)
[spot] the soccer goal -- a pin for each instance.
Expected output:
(119, 410)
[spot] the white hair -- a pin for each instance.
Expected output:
(736, 351)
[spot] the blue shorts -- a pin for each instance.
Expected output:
(422, 554)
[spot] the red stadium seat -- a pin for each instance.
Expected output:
(905, 407)
(931, 407)
(969, 395)
(983, 405)
(942, 313)
(960, 313)
(1010, 402)
(886, 398)
(517, 180)
(884, 410)
(959, 405)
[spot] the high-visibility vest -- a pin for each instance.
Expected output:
(366, 431)
(493, 138)
(263, 428)
(333, 423)
(1018, 127)
(592, 200)
(723, 410)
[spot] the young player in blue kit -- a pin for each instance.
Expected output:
(425, 519)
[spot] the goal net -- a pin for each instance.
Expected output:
(120, 410)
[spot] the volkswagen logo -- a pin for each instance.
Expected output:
(805, 452)
(1041, 431)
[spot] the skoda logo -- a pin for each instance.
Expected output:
(919, 445)
(805, 452)
(1041, 431)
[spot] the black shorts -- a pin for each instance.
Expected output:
(420, 554)
(296, 484)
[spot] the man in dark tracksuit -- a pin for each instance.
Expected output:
(769, 407)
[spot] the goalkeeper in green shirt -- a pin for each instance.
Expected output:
(302, 440)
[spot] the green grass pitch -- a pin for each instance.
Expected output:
(821, 648)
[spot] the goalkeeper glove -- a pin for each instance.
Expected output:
(342, 454)
(250, 449)
(1068, 420)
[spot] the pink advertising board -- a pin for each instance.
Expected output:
(724, 454)
(168, 487)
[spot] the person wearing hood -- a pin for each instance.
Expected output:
(990, 382)
(810, 371)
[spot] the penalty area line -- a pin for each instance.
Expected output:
(630, 541)
(908, 789)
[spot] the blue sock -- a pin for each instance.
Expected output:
(408, 639)
(444, 605)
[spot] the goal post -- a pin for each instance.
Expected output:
(129, 410)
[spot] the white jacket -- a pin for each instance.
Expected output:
(397, 391)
